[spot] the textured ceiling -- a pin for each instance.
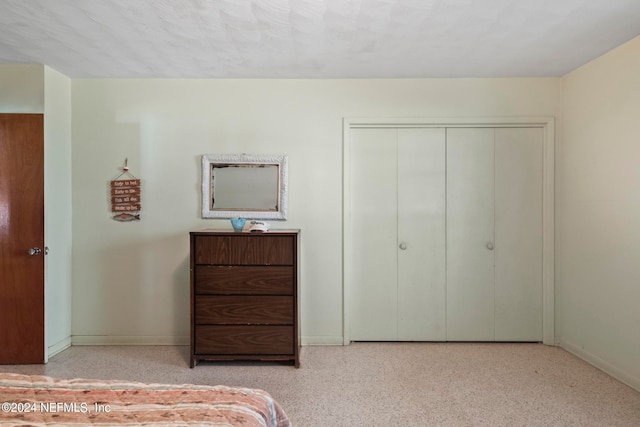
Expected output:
(313, 38)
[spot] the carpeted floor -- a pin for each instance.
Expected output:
(389, 384)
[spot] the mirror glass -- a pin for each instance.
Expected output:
(249, 187)
(244, 186)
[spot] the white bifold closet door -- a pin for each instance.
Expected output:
(446, 234)
(398, 227)
(494, 234)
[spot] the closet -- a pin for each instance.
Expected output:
(446, 234)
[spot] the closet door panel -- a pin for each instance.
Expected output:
(470, 234)
(518, 234)
(374, 235)
(421, 234)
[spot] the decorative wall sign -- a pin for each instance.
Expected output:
(125, 196)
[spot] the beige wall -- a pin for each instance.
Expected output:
(21, 88)
(58, 215)
(598, 213)
(131, 280)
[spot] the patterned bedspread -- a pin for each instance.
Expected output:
(40, 400)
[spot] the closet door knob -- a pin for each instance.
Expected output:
(403, 246)
(490, 246)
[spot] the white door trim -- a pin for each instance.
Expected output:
(548, 207)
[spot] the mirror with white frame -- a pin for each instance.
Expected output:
(246, 186)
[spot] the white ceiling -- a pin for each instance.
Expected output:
(313, 38)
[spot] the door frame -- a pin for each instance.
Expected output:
(546, 123)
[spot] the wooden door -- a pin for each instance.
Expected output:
(21, 228)
(398, 223)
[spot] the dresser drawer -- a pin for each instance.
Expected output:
(244, 280)
(244, 249)
(224, 339)
(261, 310)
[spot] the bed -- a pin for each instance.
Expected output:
(40, 400)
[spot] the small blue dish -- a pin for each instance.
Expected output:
(238, 223)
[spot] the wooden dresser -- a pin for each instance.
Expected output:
(244, 296)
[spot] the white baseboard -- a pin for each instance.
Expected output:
(128, 340)
(173, 340)
(601, 364)
(56, 348)
(320, 340)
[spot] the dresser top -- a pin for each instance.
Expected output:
(224, 231)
